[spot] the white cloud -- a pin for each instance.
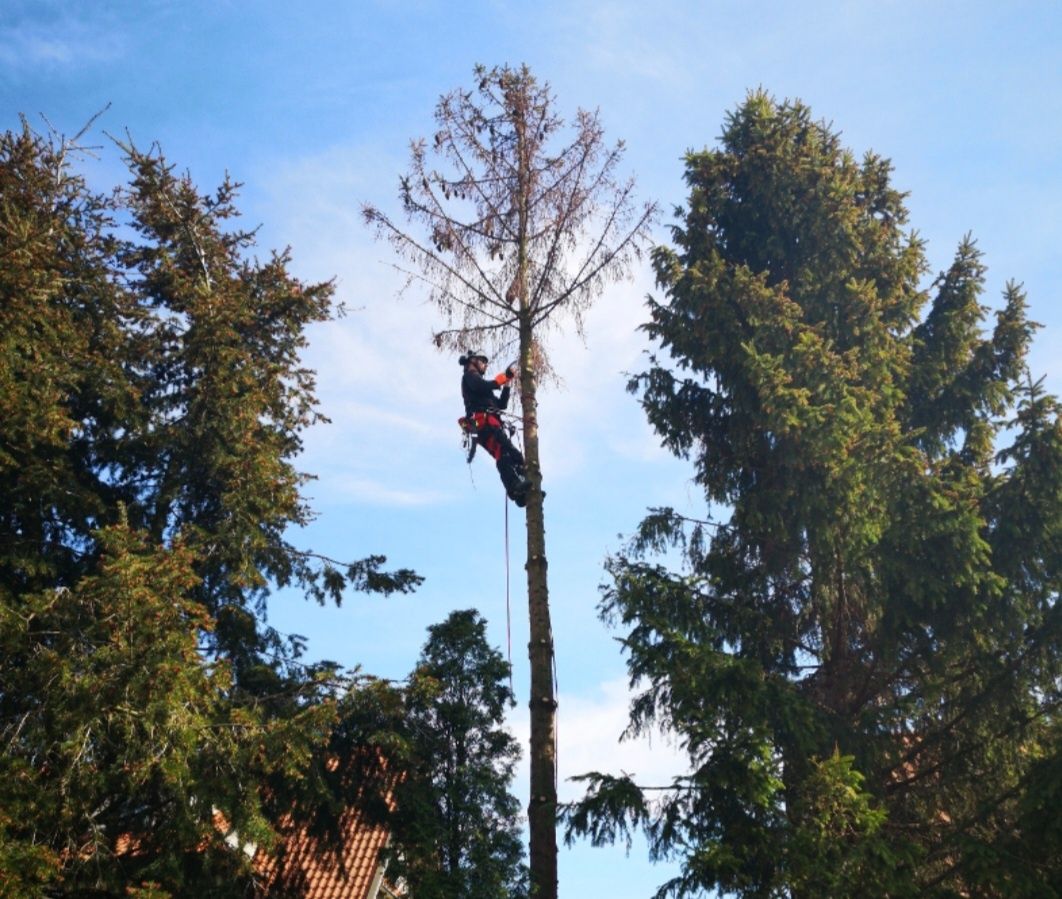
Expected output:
(631, 39)
(589, 415)
(61, 43)
(378, 493)
(380, 419)
(588, 732)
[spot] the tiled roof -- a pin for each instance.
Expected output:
(311, 871)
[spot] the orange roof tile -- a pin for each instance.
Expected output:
(310, 871)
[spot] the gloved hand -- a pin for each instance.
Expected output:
(512, 371)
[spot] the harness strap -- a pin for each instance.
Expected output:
(468, 431)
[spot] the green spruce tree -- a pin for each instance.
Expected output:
(64, 383)
(457, 825)
(152, 406)
(861, 653)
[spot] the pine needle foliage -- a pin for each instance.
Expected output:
(457, 826)
(152, 402)
(860, 655)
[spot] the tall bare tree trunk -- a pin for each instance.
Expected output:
(542, 807)
(542, 811)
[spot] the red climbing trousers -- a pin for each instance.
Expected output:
(491, 435)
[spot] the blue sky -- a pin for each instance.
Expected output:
(312, 105)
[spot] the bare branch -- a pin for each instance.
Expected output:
(456, 298)
(402, 239)
(588, 276)
(531, 206)
(455, 232)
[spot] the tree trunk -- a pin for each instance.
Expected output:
(542, 806)
(542, 810)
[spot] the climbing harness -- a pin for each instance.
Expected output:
(470, 425)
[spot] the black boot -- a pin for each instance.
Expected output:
(514, 479)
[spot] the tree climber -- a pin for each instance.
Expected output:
(482, 421)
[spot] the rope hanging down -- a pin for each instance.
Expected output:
(515, 424)
(512, 422)
(508, 607)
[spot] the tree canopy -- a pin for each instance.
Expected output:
(856, 645)
(152, 400)
(456, 825)
(860, 652)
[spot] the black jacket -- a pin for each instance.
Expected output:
(478, 393)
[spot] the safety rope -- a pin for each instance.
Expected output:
(508, 601)
(515, 425)
(508, 608)
(556, 717)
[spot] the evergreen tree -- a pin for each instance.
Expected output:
(516, 231)
(457, 824)
(125, 762)
(152, 401)
(861, 653)
(64, 386)
(227, 399)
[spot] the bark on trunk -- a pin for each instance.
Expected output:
(542, 810)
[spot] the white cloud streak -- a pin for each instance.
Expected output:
(590, 726)
(63, 43)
